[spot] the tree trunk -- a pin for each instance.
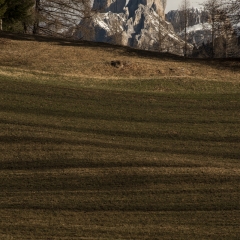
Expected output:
(184, 8)
(0, 24)
(213, 37)
(24, 27)
(185, 33)
(36, 23)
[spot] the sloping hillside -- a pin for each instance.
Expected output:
(149, 150)
(23, 54)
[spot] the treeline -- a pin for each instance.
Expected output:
(223, 24)
(15, 14)
(223, 18)
(48, 17)
(63, 17)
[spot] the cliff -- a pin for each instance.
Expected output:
(198, 29)
(195, 16)
(136, 23)
(119, 6)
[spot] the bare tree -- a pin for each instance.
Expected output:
(184, 8)
(3, 8)
(56, 17)
(116, 31)
(162, 34)
(223, 15)
(228, 31)
(232, 8)
(115, 26)
(214, 8)
(37, 16)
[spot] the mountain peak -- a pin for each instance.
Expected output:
(118, 6)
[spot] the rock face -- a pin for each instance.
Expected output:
(196, 16)
(136, 23)
(198, 30)
(117, 6)
(157, 5)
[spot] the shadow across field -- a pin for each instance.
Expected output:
(23, 162)
(113, 180)
(161, 149)
(130, 134)
(122, 208)
(115, 160)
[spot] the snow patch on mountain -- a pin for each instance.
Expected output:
(198, 27)
(145, 29)
(198, 30)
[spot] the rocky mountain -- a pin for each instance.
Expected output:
(198, 30)
(195, 16)
(136, 23)
(117, 6)
(199, 33)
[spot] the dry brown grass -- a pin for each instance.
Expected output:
(22, 53)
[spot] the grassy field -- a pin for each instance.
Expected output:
(89, 151)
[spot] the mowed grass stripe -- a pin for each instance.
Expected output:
(83, 161)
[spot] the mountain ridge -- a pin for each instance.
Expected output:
(136, 25)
